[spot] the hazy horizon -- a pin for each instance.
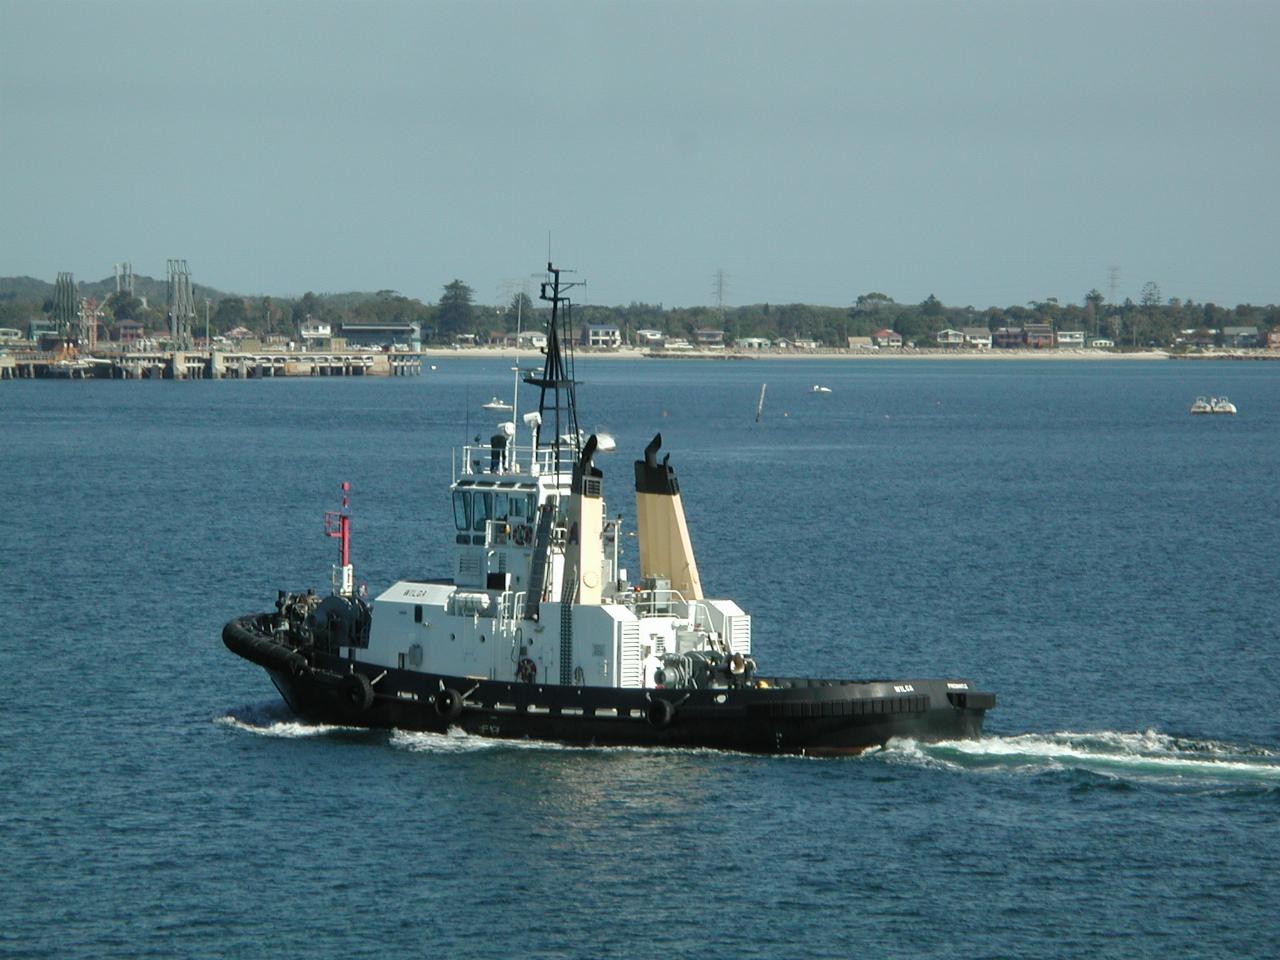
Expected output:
(989, 154)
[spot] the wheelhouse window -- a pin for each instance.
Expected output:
(521, 506)
(501, 506)
(481, 510)
(462, 509)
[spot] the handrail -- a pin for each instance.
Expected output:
(514, 459)
(662, 601)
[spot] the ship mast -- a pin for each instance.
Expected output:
(557, 402)
(337, 524)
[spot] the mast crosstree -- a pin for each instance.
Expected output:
(557, 400)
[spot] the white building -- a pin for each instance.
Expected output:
(601, 335)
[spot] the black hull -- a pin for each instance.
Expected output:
(782, 715)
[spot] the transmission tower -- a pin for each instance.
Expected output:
(182, 305)
(65, 312)
(719, 287)
(1113, 284)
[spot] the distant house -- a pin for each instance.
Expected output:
(977, 338)
(1203, 338)
(861, 343)
(531, 339)
(649, 338)
(752, 343)
(1007, 338)
(1038, 336)
(314, 332)
(886, 338)
(949, 338)
(709, 339)
(601, 335)
(1273, 339)
(1070, 338)
(1240, 336)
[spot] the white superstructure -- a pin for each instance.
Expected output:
(537, 595)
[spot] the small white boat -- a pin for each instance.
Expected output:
(496, 404)
(818, 388)
(1202, 405)
(1223, 405)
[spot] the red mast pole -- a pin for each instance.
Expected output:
(338, 524)
(344, 522)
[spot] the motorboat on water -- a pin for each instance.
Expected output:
(1212, 405)
(497, 404)
(818, 388)
(537, 632)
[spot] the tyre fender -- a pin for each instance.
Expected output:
(355, 693)
(448, 704)
(660, 713)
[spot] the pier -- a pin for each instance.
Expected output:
(206, 365)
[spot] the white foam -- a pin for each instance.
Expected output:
(458, 741)
(1147, 755)
(273, 720)
(455, 741)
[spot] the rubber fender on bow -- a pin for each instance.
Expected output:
(248, 637)
(448, 704)
(660, 712)
(355, 694)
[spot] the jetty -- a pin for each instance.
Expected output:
(119, 364)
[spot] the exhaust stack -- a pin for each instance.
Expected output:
(586, 512)
(665, 550)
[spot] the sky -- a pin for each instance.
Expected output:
(988, 153)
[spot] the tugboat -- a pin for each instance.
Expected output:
(538, 634)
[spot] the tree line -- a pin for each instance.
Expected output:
(1151, 321)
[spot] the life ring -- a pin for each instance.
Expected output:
(522, 535)
(660, 713)
(448, 704)
(355, 693)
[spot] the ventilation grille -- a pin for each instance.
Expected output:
(739, 630)
(629, 667)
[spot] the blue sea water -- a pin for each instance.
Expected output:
(1064, 534)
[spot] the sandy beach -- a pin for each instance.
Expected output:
(960, 356)
(634, 353)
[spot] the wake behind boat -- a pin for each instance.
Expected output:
(539, 634)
